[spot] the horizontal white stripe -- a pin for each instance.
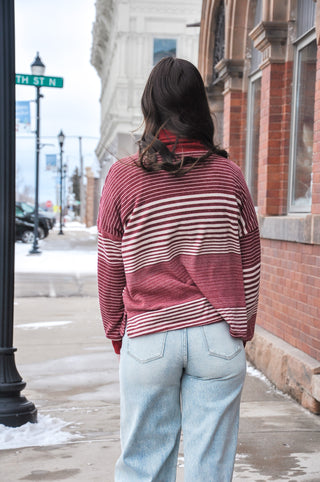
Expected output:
(188, 198)
(188, 239)
(108, 242)
(188, 317)
(177, 214)
(134, 265)
(220, 233)
(217, 227)
(184, 310)
(252, 268)
(198, 218)
(173, 326)
(172, 308)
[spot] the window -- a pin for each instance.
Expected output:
(253, 133)
(218, 51)
(253, 115)
(301, 146)
(163, 48)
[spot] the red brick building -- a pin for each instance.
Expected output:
(260, 60)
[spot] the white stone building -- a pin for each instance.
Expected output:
(129, 37)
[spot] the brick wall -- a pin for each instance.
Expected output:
(290, 285)
(274, 139)
(290, 293)
(234, 133)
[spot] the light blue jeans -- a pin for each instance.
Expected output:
(191, 379)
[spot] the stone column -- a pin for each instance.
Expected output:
(270, 39)
(231, 72)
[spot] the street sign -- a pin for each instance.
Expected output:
(39, 80)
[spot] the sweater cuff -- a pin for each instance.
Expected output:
(117, 346)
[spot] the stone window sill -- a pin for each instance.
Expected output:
(295, 228)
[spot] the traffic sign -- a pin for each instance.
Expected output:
(39, 80)
(49, 204)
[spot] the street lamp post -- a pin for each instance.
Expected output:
(65, 189)
(82, 201)
(37, 68)
(61, 138)
(15, 410)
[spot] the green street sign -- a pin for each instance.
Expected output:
(39, 80)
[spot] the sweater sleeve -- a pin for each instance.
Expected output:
(250, 256)
(111, 275)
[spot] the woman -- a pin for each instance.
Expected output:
(178, 275)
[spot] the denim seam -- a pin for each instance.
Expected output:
(185, 348)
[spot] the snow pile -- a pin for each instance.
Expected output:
(257, 374)
(48, 431)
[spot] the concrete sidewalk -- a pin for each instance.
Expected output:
(72, 375)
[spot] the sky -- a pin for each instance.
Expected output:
(62, 33)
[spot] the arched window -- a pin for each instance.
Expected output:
(219, 38)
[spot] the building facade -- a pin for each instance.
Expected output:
(260, 60)
(129, 37)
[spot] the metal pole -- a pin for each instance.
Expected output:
(35, 249)
(61, 232)
(65, 189)
(82, 198)
(15, 410)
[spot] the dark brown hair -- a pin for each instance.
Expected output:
(174, 98)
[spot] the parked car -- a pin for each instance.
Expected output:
(24, 231)
(25, 212)
(49, 215)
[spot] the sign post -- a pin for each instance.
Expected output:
(38, 80)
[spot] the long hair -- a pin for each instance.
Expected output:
(174, 98)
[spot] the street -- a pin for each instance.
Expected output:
(71, 375)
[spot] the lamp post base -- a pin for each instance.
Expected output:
(35, 251)
(15, 409)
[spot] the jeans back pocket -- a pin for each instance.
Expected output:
(219, 342)
(146, 348)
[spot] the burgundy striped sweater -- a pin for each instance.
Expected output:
(175, 252)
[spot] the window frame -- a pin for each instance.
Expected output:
(257, 75)
(302, 42)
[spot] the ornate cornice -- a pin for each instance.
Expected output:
(101, 32)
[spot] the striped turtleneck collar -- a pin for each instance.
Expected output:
(181, 144)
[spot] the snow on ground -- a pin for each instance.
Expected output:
(42, 324)
(69, 262)
(76, 226)
(58, 261)
(48, 431)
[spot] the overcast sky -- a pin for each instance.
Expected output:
(61, 30)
